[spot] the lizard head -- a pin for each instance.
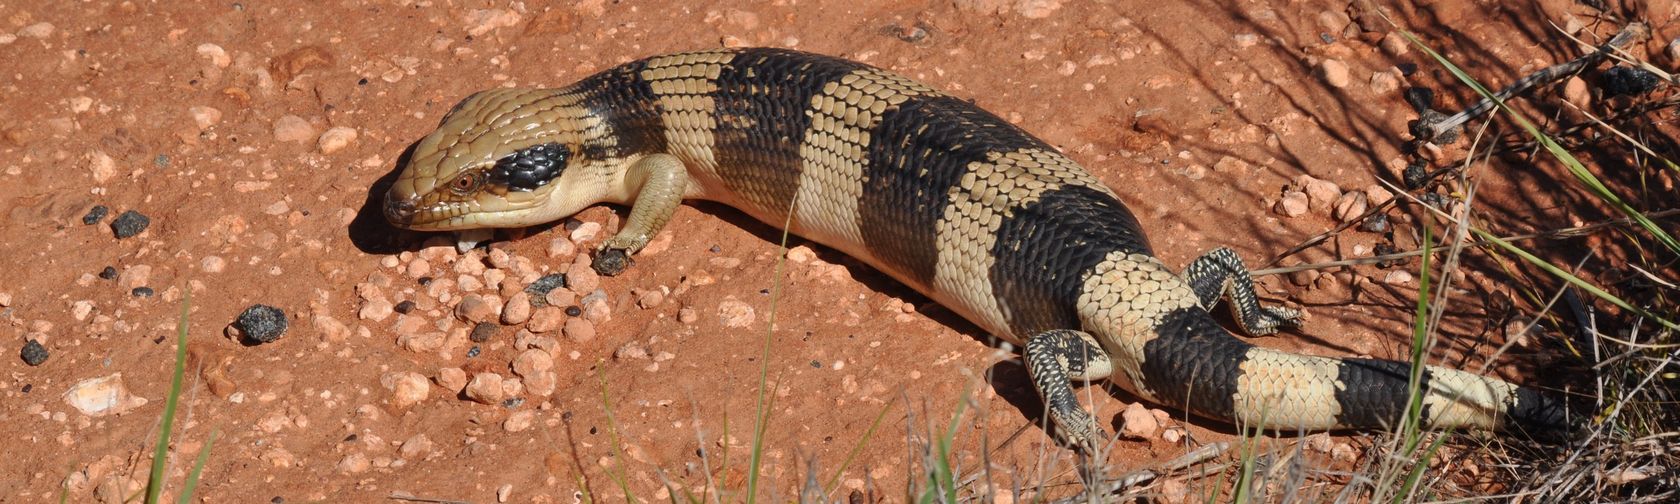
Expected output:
(500, 159)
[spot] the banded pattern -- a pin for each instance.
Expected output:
(947, 198)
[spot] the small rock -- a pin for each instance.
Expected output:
(688, 316)
(631, 350)
(107, 395)
(135, 276)
(561, 247)
(486, 388)
(34, 353)
(1333, 21)
(291, 128)
(482, 332)
(95, 214)
(547, 283)
(331, 329)
(1303, 278)
(482, 21)
(474, 308)
(650, 299)
(214, 53)
(532, 363)
(37, 31)
(518, 309)
(1172, 434)
(1383, 83)
(141, 292)
(1321, 194)
(451, 380)
(1246, 40)
(102, 167)
(336, 139)
(1398, 277)
(109, 273)
(1293, 204)
(1376, 195)
(377, 309)
(579, 330)
(1395, 45)
(1335, 73)
(130, 223)
(81, 309)
(262, 323)
(355, 462)
(1320, 442)
(205, 117)
(1344, 452)
(596, 310)
(1350, 206)
(560, 297)
(581, 277)
(1576, 93)
(585, 232)
(1037, 9)
(212, 264)
(407, 388)
(519, 421)
(545, 319)
(801, 254)
(734, 313)
(504, 492)
(1138, 423)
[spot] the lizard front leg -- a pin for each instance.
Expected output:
(658, 181)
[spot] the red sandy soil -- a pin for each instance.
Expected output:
(207, 116)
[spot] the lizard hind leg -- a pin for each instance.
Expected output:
(1221, 273)
(1054, 359)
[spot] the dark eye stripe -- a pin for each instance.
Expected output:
(531, 167)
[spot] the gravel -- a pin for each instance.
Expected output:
(142, 292)
(95, 214)
(404, 307)
(130, 223)
(483, 332)
(262, 323)
(33, 353)
(539, 289)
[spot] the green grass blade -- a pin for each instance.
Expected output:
(1572, 279)
(1420, 344)
(867, 434)
(617, 472)
(160, 453)
(198, 468)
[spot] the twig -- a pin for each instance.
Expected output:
(1432, 127)
(1141, 476)
(406, 497)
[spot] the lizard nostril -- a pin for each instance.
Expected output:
(399, 211)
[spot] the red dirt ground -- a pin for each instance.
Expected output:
(1200, 113)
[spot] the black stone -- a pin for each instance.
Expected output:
(130, 223)
(142, 292)
(1416, 175)
(473, 352)
(95, 214)
(262, 323)
(542, 286)
(108, 273)
(482, 332)
(33, 353)
(573, 311)
(1629, 81)
(1376, 224)
(611, 262)
(404, 307)
(1420, 98)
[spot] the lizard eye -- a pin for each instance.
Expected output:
(531, 167)
(467, 182)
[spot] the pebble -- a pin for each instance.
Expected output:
(262, 323)
(34, 353)
(205, 117)
(1344, 452)
(1172, 434)
(108, 273)
(212, 264)
(416, 447)
(734, 313)
(215, 53)
(650, 299)
(486, 388)
(561, 297)
(482, 21)
(5, 299)
(336, 139)
(1138, 423)
(519, 421)
(80, 309)
(135, 276)
(688, 315)
(407, 388)
(801, 254)
(580, 277)
(474, 308)
(106, 395)
(1246, 40)
(405, 306)
(130, 223)
(1293, 204)
(518, 309)
(1333, 21)
(1335, 73)
(579, 330)
(596, 310)
(585, 232)
(1383, 83)
(101, 166)
(95, 214)
(546, 319)
(631, 350)
(1037, 9)
(482, 332)
(142, 292)
(291, 128)
(1576, 93)
(377, 309)
(331, 329)
(355, 462)
(1321, 194)
(1395, 45)
(1351, 205)
(452, 380)
(38, 30)
(1303, 278)
(1398, 277)
(1377, 195)
(531, 363)
(542, 286)
(561, 247)
(504, 492)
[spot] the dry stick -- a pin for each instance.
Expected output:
(1549, 74)
(1556, 233)
(1141, 476)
